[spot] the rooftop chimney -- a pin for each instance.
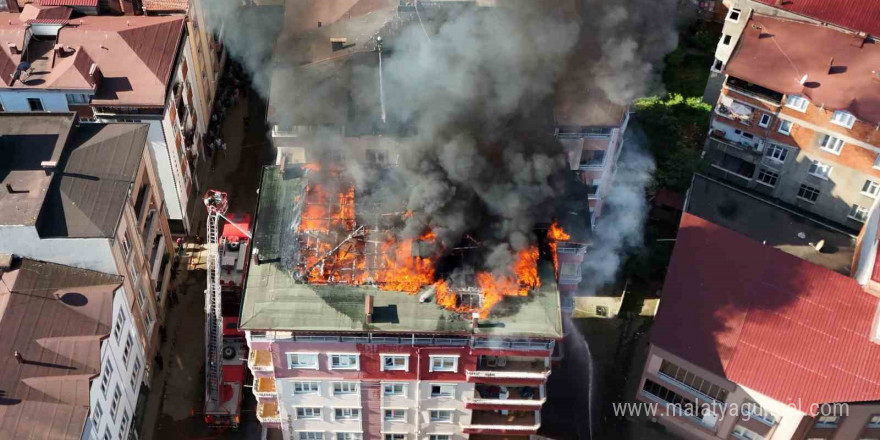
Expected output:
(368, 309)
(13, 49)
(49, 165)
(338, 43)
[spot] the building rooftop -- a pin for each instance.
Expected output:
(56, 316)
(28, 139)
(165, 5)
(769, 223)
(841, 68)
(274, 300)
(134, 56)
(772, 322)
(857, 15)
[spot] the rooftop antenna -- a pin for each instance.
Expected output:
(381, 88)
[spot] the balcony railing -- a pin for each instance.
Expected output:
(499, 344)
(260, 360)
(507, 368)
(265, 387)
(504, 421)
(268, 413)
(754, 91)
(513, 396)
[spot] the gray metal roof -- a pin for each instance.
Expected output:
(274, 301)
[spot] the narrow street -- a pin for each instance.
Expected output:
(175, 403)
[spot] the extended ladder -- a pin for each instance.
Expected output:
(217, 204)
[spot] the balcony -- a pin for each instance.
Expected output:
(512, 397)
(264, 388)
(268, 413)
(717, 141)
(754, 91)
(260, 361)
(510, 370)
(503, 422)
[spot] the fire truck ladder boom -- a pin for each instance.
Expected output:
(216, 204)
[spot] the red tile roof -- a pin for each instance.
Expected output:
(90, 3)
(777, 54)
(165, 5)
(767, 320)
(858, 15)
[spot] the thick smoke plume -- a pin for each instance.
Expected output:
(470, 94)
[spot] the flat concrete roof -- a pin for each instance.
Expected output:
(27, 140)
(772, 224)
(274, 301)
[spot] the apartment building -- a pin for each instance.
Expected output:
(797, 115)
(73, 362)
(88, 196)
(773, 355)
(112, 69)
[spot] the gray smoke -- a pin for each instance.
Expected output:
(470, 95)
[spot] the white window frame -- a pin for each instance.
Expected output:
(96, 415)
(105, 377)
(761, 122)
(135, 371)
(121, 319)
(400, 418)
(765, 171)
(822, 170)
(873, 188)
(782, 128)
(306, 387)
(741, 432)
(440, 410)
(726, 39)
(348, 435)
(351, 411)
(854, 212)
(843, 118)
(316, 413)
(818, 193)
(402, 386)
(797, 102)
(832, 423)
(310, 435)
(353, 388)
(442, 386)
(877, 162)
(405, 366)
(297, 366)
(433, 358)
(394, 435)
(356, 366)
(31, 107)
(874, 421)
(114, 404)
(439, 436)
(783, 153)
(126, 351)
(831, 144)
(732, 11)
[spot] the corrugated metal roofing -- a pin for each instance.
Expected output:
(782, 326)
(858, 15)
(89, 3)
(165, 5)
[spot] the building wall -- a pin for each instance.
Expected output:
(16, 101)
(87, 253)
(127, 374)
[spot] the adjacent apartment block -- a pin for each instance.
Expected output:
(112, 69)
(783, 351)
(88, 196)
(72, 362)
(797, 117)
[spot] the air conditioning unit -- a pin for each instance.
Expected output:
(759, 146)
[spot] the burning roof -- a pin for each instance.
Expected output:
(323, 248)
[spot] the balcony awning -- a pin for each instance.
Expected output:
(736, 109)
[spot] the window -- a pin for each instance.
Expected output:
(767, 177)
(819, 169)
(874, 422)
(347, 413)
(831, 144)
(126, 352)
(717, 65)
(306, 388)
(395, 362)
(311, 436)
(349, 436)
(114, 404)
(689, 379)
(441, 415)
(302, 360)
(345, 388)
(797, 102)
(395, 436)
(726, 40)
(35, 104)
(742, 432)
(592, 158)
(77, 98)
(106, 433)
(120, 322)
(126, 246)
(105, 377)
(394, 389)
(96, 416)
(377, 157)
(343, 361)
(755, 411)
(776, 152)
(844, 119)
(827, 421)
(870, 188)
(734, 15)
(444, 363)
(785, 127)
(858, 213)
(135, 371)
(308, 413)
(439, 437)
(765, 120)
(123, 424)
(877, 162)
(808, 193)
(395, 414)
(444, 390)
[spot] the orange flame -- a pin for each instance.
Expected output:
(556, 234)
